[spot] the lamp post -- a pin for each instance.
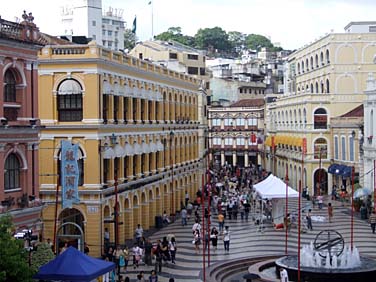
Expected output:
(172, 173)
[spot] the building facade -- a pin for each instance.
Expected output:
(19, 126)
(236, 132)
(134, 149)
(347, 147)
(87, 18)
(324, 79)
(369, 144)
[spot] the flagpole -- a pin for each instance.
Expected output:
(152, 20)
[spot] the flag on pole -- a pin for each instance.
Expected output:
(134, 27)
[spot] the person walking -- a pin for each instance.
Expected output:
(137, 253)
(226, 239)
(186, 198)
(138, 233)
(221, 222)
(309, 220)
(148, 248)
(158, 258)
(183, 216)
(172, 248)
(330, 212)
(372, 221)
(197, 240)
(119, 258)
(283, 275)
(214, 237)
(320, 201)
(153, 277)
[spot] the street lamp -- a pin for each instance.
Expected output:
(172, 173)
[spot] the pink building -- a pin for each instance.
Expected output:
(19, 46)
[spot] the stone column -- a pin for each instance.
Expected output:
(145, 216)
(128, 227)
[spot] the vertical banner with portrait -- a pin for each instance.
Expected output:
(69, 174)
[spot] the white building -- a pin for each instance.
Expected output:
(369, 145)
(86, 18)
(361, 27)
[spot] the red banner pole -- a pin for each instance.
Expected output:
(352, 208)
(304, 147)
(203, 233)
(374, 185)
(286, 211)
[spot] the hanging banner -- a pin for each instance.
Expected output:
(69, 174)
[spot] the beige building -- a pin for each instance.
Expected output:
(125, 115)
(324, 79)
(347, 148)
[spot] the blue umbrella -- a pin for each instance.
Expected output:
(362, 192)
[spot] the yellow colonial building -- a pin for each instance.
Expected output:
(323, 80)
(134, 122)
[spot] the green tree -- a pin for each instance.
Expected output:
(13, 256)
(257, 41)
(42, 255)
(129, 39)
(175, 34)
(213, 39)
(237, 41)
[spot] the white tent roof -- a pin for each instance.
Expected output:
(274, 188)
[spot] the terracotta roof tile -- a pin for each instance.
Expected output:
(249, 103)
(356, 112)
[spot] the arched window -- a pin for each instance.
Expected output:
(327, 56)
(327, 86)
(69, 101)
(316, 87)
(298, 68)
(320, 149)
(307, 66)
(303, 66)
(317, 61)
(305, 116)
(322, 58)
(311, 87)
(300, 116)
(320, 119)
(322, 87)
(12, 172)
(9, 87)
(307, 88)
(311, 63)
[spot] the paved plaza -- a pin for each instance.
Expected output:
(247, 240)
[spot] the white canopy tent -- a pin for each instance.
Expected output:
(274, 189)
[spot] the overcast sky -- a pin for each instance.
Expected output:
(290, 23)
